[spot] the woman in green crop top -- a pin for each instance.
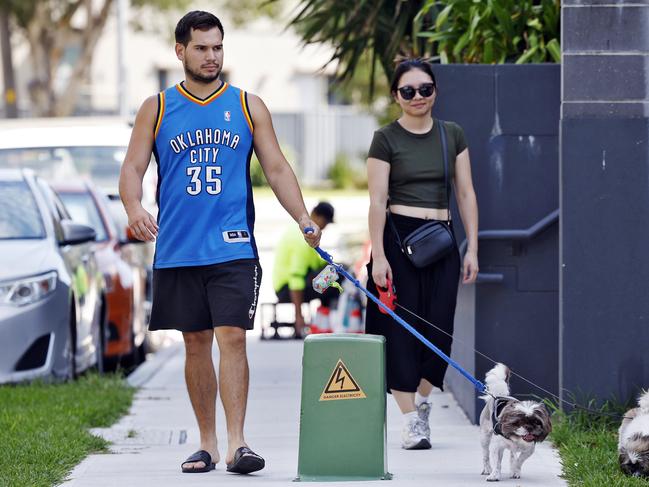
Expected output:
(406, 175)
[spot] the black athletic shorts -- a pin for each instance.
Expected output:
(202, 297)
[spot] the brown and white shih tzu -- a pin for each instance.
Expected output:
(509, 424)
(633, 444)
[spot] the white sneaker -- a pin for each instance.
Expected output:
(423, 411)
(413, 435)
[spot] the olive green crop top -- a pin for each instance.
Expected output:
(416, 164)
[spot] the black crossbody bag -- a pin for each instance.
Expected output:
(434, 240)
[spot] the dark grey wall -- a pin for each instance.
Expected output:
(511, 118)
(604, 276)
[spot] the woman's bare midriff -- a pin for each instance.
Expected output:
(417, 212)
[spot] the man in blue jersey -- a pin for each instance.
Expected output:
(206, 270)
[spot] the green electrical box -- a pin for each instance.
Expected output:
(342, 415)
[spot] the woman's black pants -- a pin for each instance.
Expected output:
(431, 293)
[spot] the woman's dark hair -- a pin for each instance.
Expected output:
(196, 19)
(408, 65)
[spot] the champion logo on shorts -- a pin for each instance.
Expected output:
(253, 306)
(227, 115)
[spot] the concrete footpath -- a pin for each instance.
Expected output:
(160, 432)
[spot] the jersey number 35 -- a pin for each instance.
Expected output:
(212, 183)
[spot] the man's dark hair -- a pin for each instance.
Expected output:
(196, 19)
(408, 65)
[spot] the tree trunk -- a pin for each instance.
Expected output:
(41, 92)
(65, 104)
(49, 38)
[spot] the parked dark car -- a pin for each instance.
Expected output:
(52, 303)
(122, 261)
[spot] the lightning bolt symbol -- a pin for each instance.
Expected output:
(340, 379)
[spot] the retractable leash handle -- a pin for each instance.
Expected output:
(341, 270)
(387, 295)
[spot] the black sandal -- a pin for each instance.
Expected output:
(245, 461)
(199, 456)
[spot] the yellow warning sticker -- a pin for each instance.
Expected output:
(341, 385)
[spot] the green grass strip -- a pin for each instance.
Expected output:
(588, 447)
(44, 427)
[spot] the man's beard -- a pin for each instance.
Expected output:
(198, 77)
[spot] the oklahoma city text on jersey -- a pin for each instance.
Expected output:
(200, 137)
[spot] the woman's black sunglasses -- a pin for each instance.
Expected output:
(408, 92)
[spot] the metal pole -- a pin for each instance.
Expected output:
(122, 94)
(9, 94)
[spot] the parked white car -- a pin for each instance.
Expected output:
(52, 301)
(66, 149)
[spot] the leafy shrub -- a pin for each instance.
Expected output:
(491, 31)
(345, 174)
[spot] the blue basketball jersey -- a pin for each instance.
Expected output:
(203, 148)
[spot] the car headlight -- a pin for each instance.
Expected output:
(27, 290)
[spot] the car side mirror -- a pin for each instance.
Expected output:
(130, 238)
(76, 233)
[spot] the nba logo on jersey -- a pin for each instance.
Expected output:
(226, 114)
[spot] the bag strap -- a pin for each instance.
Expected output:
(442, 138)
(388, 217)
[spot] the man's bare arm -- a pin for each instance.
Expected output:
(138, 155)
(277, 170)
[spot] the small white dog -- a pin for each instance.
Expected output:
(509, 424)
(633, 445)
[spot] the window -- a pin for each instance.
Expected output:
(19, 214)
(82, 209)
(120, 218)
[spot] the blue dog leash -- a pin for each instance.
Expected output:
(341, 270)
(477, 384)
